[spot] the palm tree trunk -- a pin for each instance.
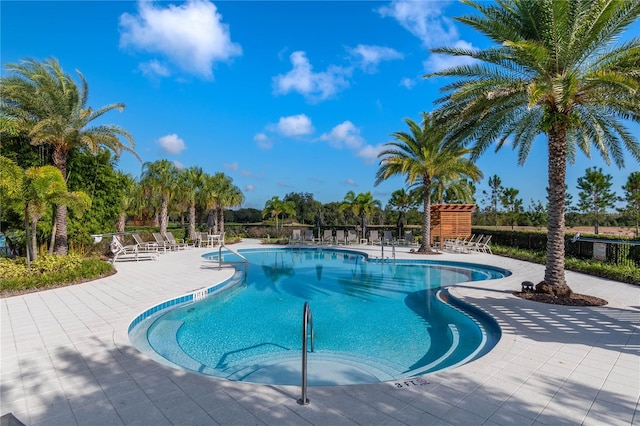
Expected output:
(122, 220)
(164, 216)
(425, 246)
(554, 269)
(34, 239)
(28, 247)
(221, 223)
(59, 158)
(192, 222)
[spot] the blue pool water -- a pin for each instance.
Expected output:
(373, 321)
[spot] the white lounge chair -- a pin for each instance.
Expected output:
(327, 237)
(296, 237)
(340, 238)
(374, 237)
(147, 246)
(387, 237)
(129, 252)
(173, 243)
(352, 236)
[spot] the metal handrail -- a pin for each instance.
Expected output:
(244, 259)
(307, 321)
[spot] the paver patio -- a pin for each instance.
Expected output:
(66, 359)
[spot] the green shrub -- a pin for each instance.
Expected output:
(49, 271)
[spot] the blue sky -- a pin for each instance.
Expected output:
(289, 96)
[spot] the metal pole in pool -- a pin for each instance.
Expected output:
(306, 316)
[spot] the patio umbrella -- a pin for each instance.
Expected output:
(210, 222)
(319, 222)
(363, 225)
(401, 225)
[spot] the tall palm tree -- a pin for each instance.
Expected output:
(192, 182)
(160, 178)
(362, 205)
(555, 70)
(424, 155)
(51, 109)
(276, 207)
(229, 196)
(128, 198)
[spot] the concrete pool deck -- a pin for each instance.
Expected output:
(66, 359)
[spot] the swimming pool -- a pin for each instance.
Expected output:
(374, 321)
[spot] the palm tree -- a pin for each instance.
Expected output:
(49, 107)
(160, 178)
(362, 205)
(129, 198)
(556, 71)
(424, 155)
(276, 207)
(632, 197)
(192, 182)
(229, 196)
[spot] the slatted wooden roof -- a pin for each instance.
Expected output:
(453, 207)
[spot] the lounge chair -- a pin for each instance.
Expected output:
(129, 252)
(160, 240)
(296, 237)
(482, 245)
(374, 237)
(146, 246)
(408, 238)
(308, 236)
(352, 236)
(327, 237)
(173, 243)
(340, 238)
(387, 237)
(203, 239)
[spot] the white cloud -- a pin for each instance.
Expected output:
(249, 188)
(178, 165)
(172, 144)
(370, 153)
(231, 166)
(246, 173)
(313, 86)
(344, 134)
(407, 83)
(284, 185)
(370, 56)
(294, 125)
(154, 69)
(263, 141)
(424, 19)
(440, 62)
(350, 182)
(190, 36)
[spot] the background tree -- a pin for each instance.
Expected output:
(595, 195)
(495, 186)
(422, 156)
(554, 70)
(50, 108)
(632, 198)
(192, 182)
(128, 200)
(306, 206)
(160, 179)
(512, 205)
(276, 208)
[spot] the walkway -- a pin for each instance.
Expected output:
(66, 360)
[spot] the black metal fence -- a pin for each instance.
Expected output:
(610, 249)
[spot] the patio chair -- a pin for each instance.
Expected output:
(146, 246)
(387, 237)
(408, 238)
(173, 243)
(482, 245)
(352, 236)
(327, 237)
(308, 236)
(162, 243)
(203, 239)
(374, 237)
(129, 252)
(340, 238)
(296, 237)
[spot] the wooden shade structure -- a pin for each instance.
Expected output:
(451, 221)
